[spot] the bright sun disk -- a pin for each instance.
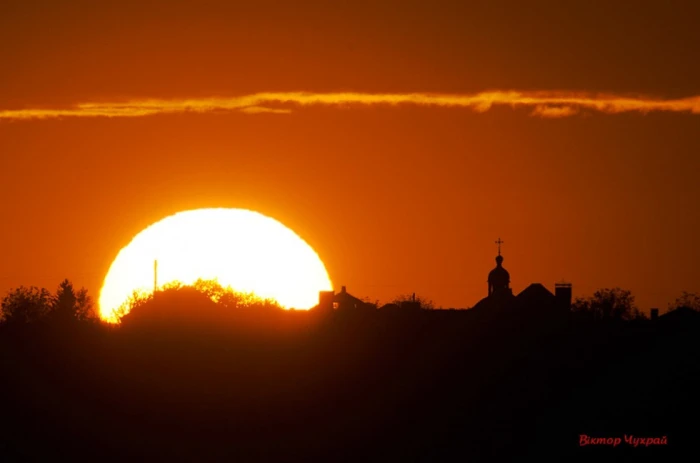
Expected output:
(240, 248)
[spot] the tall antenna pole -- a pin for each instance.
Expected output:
(155, 276)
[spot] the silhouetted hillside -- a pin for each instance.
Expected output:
(425, 385)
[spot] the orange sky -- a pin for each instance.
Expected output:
(395, 199)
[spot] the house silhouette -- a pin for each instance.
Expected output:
(536, 299)
(341, 301)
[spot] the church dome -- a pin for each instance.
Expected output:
(499, 276)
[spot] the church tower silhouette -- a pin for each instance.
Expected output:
(535, 302)
(499, 278)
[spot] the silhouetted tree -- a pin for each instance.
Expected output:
(236, 300)
(137, 300)
(174, 305)
(64, 303)
(69, 305)
(25, 305)
(203, 300)
(227, 297)
(607, 304)
(85, 309)
(689, 300)
(211, 288)
(413, 301)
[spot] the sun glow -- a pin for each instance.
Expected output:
(240, 248)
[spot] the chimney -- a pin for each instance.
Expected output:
(342, 289)
(562, 296)
(654, 313)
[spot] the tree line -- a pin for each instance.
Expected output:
(619, 304)
(31, 304)
(26, 305)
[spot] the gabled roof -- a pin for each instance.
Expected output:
(535, 292)
(496, 301)
(535, 297)
(346, 297)
(681, 313)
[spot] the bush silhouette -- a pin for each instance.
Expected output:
(203, 304)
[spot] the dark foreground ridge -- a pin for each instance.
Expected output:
(425, 385)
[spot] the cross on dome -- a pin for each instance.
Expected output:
(499, 243)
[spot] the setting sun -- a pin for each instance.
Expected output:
(240, 248)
